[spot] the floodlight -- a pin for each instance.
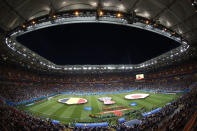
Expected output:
(76, 13)
(147, 21)
(54, 16)
(100, 13)
(119, 15)
(24, 26)
(33, 22)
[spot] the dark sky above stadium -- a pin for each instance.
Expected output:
(96, 43)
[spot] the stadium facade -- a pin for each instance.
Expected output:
(29, 80)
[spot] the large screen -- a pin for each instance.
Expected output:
(139, 76)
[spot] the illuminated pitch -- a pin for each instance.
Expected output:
(71, 101)
(136, 96)
(68, 113)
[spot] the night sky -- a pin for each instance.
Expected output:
(96, 43)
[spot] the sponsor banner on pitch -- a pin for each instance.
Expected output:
(109, 102)
(104, 124)
(151, 112)
(87, 108)
(133, 104)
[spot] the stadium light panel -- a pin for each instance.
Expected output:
(111, 68)
(93, 4)
(64, 2)
(85, 68)
(123, 67)
(107, 4)
(121, 7)
(146, 14)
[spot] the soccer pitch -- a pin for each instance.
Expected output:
(68, 113)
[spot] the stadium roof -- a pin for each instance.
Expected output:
(178, 15)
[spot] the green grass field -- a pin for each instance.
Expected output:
(67, 113)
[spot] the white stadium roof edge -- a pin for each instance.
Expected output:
(178, 16)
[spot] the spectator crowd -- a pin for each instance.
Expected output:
(17, 85)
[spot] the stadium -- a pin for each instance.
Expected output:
(113, 65)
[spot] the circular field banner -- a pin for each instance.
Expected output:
(71, 101)
(136, 96)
